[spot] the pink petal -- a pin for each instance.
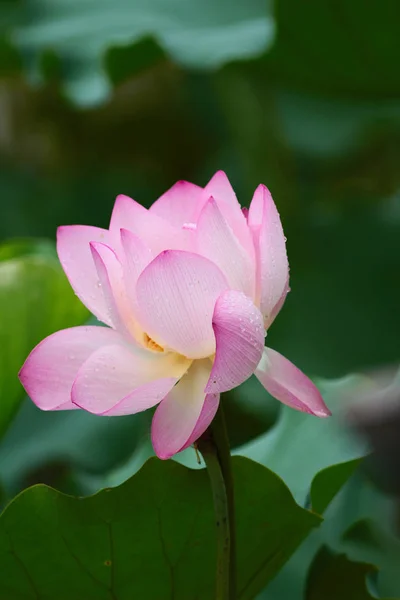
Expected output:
(276, 310)
(270, 245)
(155, 232)
(49, 371)
(207, 414)
(111, 281)
(176, 295)
(76, 259)
(239, 332)
(221, 190)
(136, 256)
(142, 398)
(115, 379)
(216, 241)
(180, 204)
(283, 380)
(178, 414)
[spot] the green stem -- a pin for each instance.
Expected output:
(214, 446)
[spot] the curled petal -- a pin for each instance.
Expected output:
(73, 248)
(176, 294)
(271, 257)
(239, 333)
(181, 204)
(216, 240)
(111, 282)
(50, 369)
(119, 379)
(283, 380)
(178, 415)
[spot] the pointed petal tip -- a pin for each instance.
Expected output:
(323, 413)
(262, 188)
(219, 176)
(285, 382)
(122, 198)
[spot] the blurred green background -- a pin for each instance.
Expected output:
(99, 98)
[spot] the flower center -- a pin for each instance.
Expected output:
(151, 344)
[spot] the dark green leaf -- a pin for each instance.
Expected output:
(373, 540)
(333, 576)
(153, 537)
(328, 482)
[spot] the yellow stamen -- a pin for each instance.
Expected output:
(151, 344)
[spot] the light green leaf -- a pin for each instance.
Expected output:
(195, 34)
(299, 445)
(35, 300)
(52, 443)
(357, 500)
(153, 537)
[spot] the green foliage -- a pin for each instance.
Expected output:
(35, 300)
(308, 54)
(328, 482)
(65, 449)
(153, 537)
(198, 35)
(300, 446)
(335, 576)
(372, 540)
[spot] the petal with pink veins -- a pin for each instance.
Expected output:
(155, 232)
(50, 369)
(285, 382)
(180, 205)
(271, 257)
(178, 415)
(121, 379)
(215, 240)
(239, 333)
(73, 248)
(221, 190)
(176, 294)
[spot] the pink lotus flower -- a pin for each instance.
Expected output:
(188, 289)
